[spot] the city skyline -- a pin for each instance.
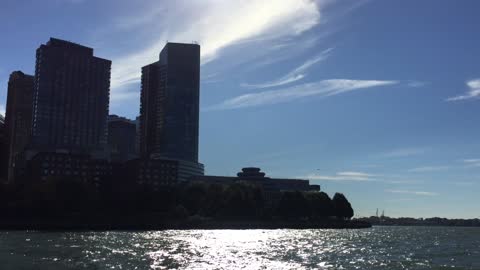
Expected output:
(305, 92)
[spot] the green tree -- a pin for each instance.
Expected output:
(320, 204)
(293, 205)
(343, 208)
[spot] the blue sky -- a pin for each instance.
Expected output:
(375, 99)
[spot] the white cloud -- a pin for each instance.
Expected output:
(473, 93)
(294, 75)
(404, 152)
(429, 169)
(281, 81)
(323, 88)
(411, 192)
(342, 176)
(2, 109)
(219, 25)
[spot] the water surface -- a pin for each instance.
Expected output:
(375, 248)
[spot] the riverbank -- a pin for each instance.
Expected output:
(436, 221)
(192, 223)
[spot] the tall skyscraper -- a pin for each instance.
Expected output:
(18, 118)
(71, 99)
(169, 112)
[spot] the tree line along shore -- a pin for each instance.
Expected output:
(78, 205)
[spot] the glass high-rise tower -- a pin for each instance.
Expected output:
(169, 112)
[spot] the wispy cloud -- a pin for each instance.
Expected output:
(404, 152)
(219, 25)
(412, 192)
(473, 92)
(323, 88)
(342, 176)
(294, 75)
(472, 162)
(402, 181)
(430, 169)
(417, 84)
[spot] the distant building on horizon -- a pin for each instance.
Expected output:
(169, 111)
(121, 138)
(18, 117)
(256, 176)
(253, 175)
(71, 99)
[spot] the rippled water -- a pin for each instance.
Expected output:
(375, 248)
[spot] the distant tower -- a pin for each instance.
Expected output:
(169, 112)
(71, 99)
(18, 118)
(377, 213)
(121, 138)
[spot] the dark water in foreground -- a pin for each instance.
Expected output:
(375, 248)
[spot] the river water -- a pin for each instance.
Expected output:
(375, 248)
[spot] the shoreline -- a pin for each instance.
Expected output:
(144, 225)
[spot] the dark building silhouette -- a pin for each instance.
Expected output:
(271, 186)
(71, 99)
(18, 118)
(255, 176)
(154, 173)
(169, 112)
(137, 138)
(169, 118)
(121, 138)
(47, 166)
(3, 150)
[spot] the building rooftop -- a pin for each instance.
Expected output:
(18, 74)
(116, 118)
(55, 42)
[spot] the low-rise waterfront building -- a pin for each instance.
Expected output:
(256, 176)
(160, 172)
(46, 166)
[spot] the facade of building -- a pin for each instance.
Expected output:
(3, 150)
(137, 136)
(45, 166)
(169, 112)
(121, 138)
(18, 118)
(71, 99)
(160, 172)
(255, 176)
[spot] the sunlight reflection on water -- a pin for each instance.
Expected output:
(376, 248)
